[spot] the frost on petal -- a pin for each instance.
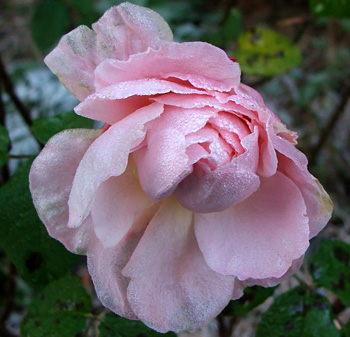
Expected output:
(122, 31)
(107, 157)
(117, 203)
(129, 29)
(106, 264)
(260, 237)
(74, 61)
(171, 287)
(51, 179)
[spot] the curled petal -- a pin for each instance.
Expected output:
(112, 104)
(319, 206)
(163, 163)
(117, 203)
(167, 261)
(260, 237)
(183, 61)
(107, 157)
(207, 191)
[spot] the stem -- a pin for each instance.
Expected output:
(21, 156)
(10, 294)
(8, 85)
(4, 171)
(336, 115)
(5, 333)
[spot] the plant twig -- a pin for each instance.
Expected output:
(5, 333)
(10, 294)
(4, 170)
(336, 115)
(5, 79)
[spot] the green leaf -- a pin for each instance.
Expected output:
(346, 330)
(330, 268)
(45, 128)
(39, 258)
(83, 6)
(115, 326)
(49, 22)
(298, 313)
(330, 8)
(263, 52)
(253, 296)
(59, 310)
(4, 144)
(233, 25)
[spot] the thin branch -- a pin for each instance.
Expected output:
(4, 170)
(5, 333)
(10, 294)
(8, 85)
(336, 115)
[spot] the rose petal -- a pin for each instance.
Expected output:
(260, 237)
(118, 201)
(129, 29)
(114, 103)
(208, 191)
(183, 61)
(123, 30)
(163, 163)
(51, 178)
(171, 287)
(105, 266)
(319, 206)
(107, 157)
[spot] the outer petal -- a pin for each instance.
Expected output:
(260, 237)
(163, 163)
(51, 179)
(318, 204)
(202, 64)
(123, 30)
(171, 286)
(273, 281)
(118, 201)
(107, 157)
(129, 29)
(105, 266)
(74, 61)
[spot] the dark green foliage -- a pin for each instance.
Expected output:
(264, 52)
(59, 310)
(49, 22)
(253, 296)
(4, 144)
(298, 313)
(115, 326)
(45, 128)
(330, 268)
(39, 258)
(330, 8)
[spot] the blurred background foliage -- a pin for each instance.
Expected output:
(296, 53)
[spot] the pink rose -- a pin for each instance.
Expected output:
(193, 189)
